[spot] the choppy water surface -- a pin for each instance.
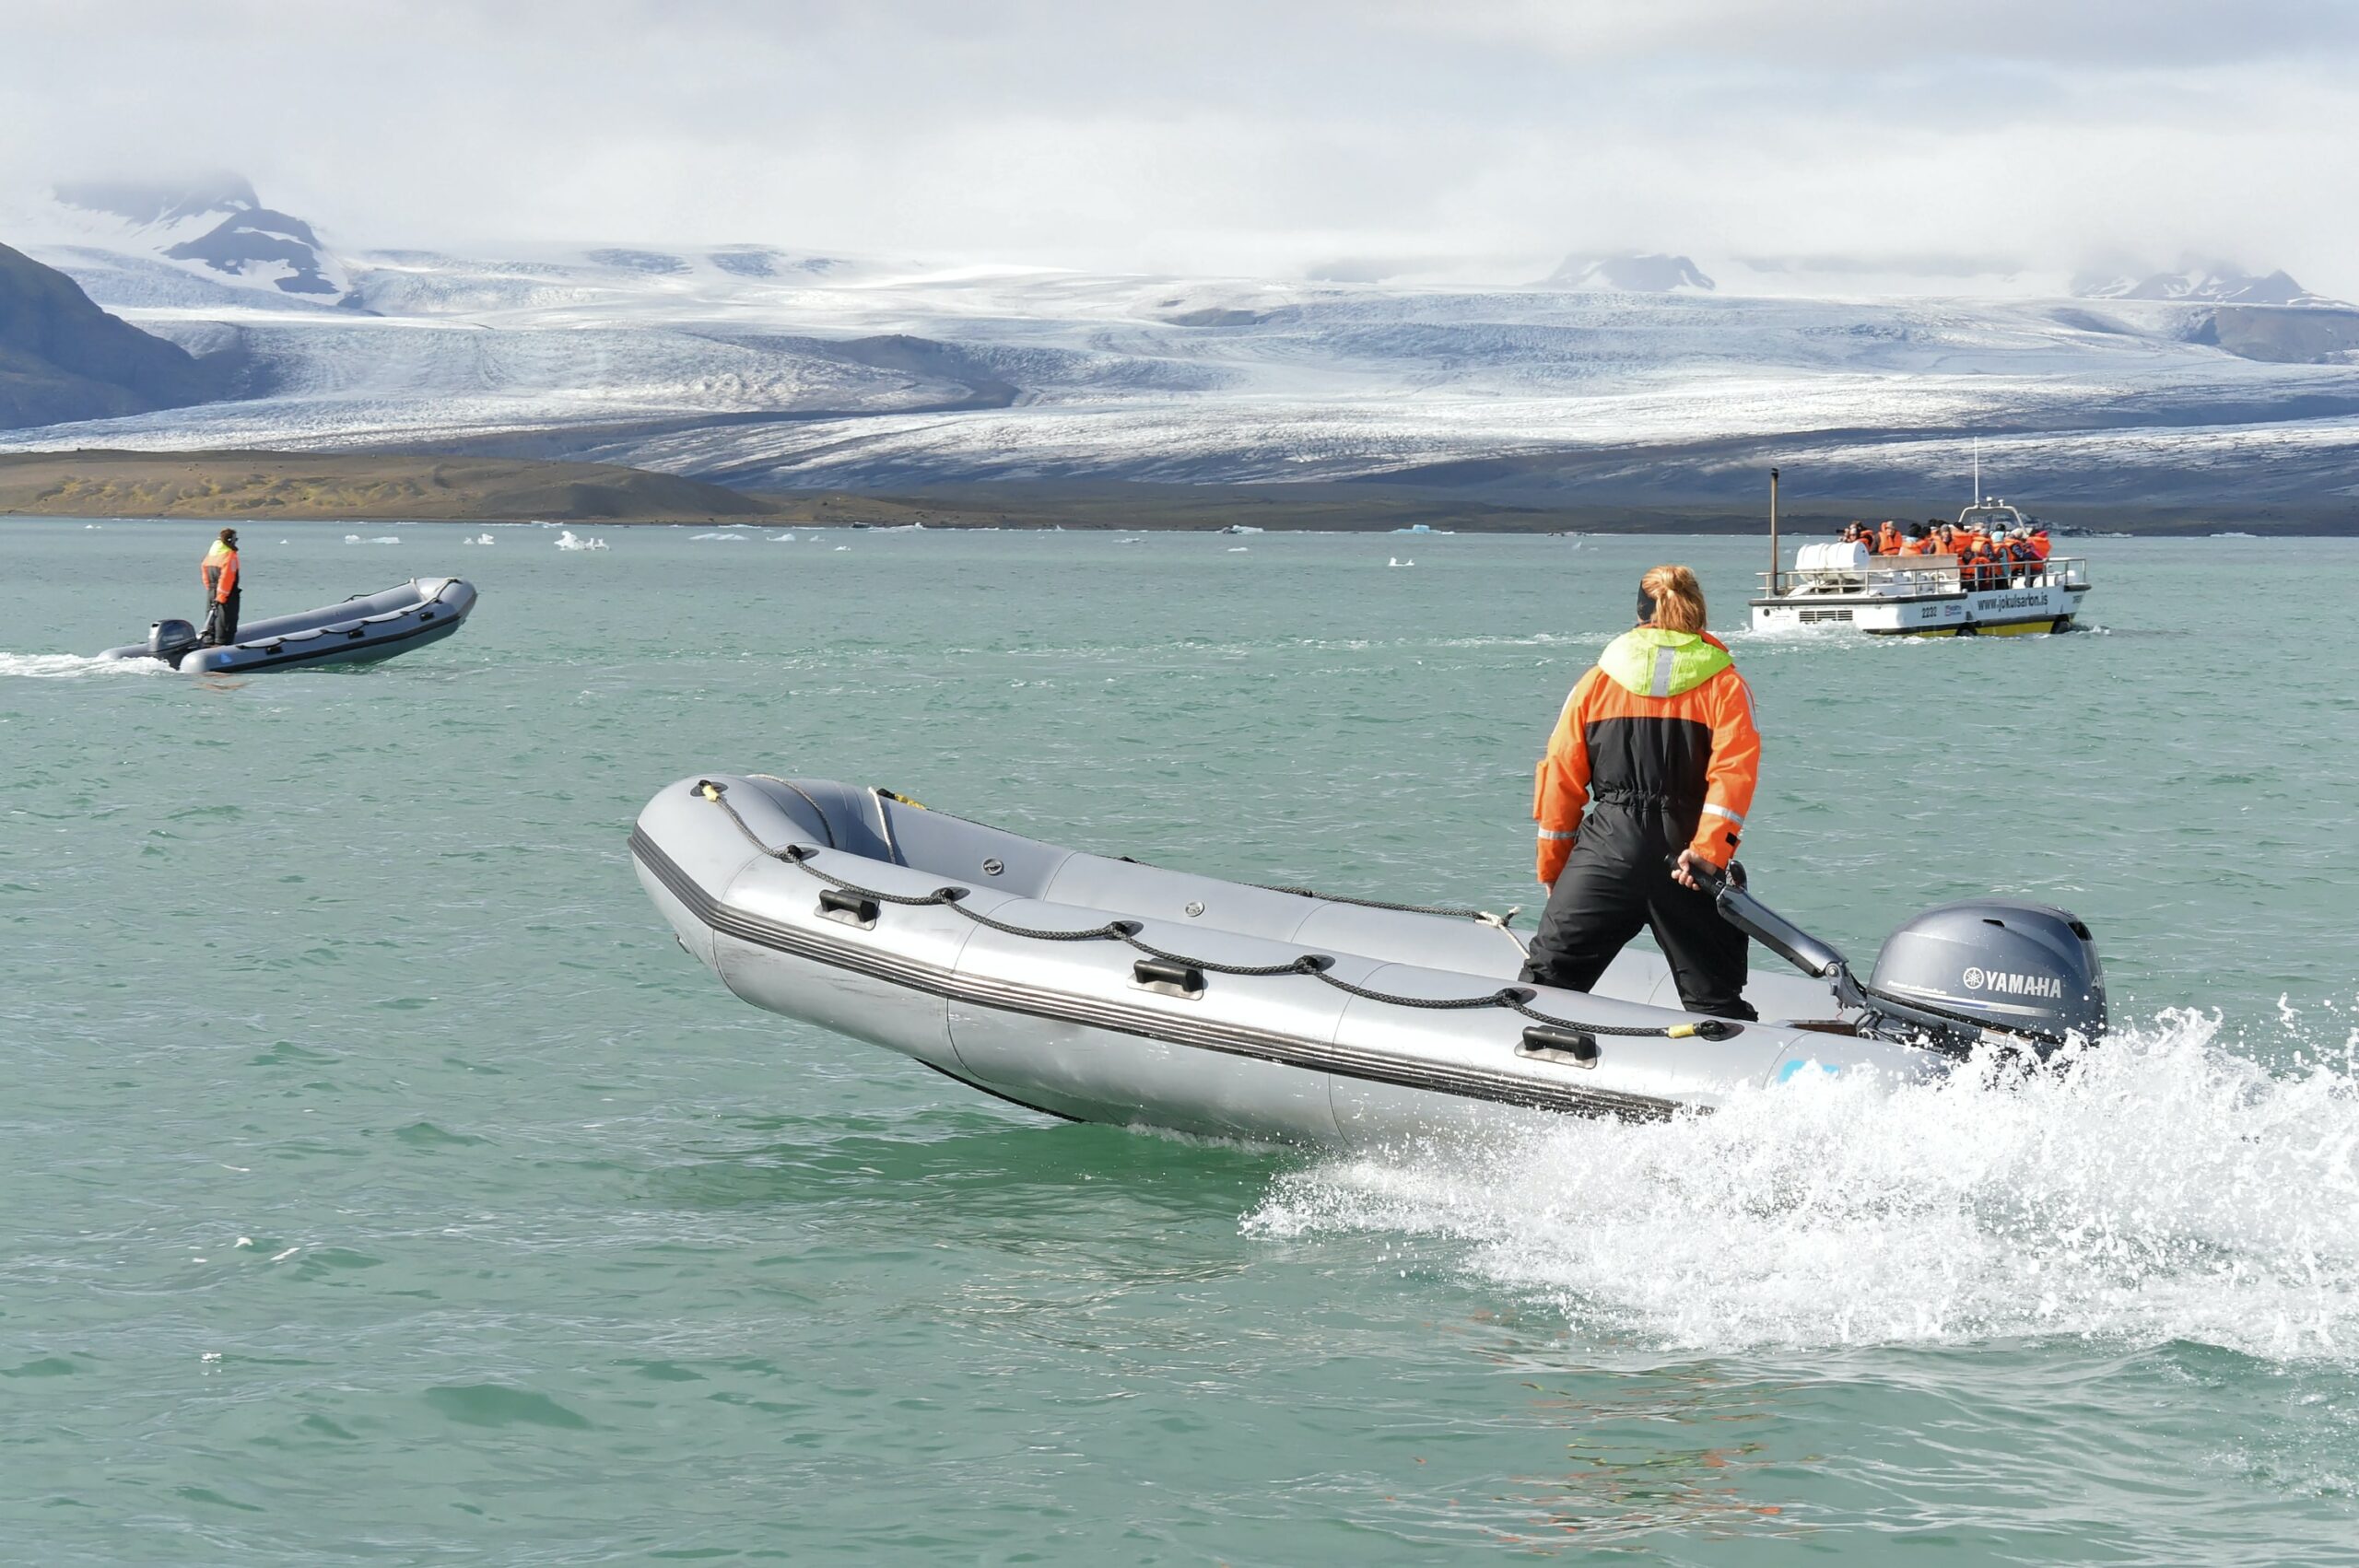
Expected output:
(384, 1185)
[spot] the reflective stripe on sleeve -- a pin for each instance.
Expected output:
(1549, 835)
(1736, 817)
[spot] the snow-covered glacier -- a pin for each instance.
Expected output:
(774, 368)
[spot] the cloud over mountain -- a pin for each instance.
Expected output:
(1229, 137)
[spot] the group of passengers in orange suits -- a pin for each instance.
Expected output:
(1986, 558)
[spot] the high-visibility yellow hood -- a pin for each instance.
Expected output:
(1650, 661)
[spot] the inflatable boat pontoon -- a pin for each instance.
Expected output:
(365, 627)
(1101, 989)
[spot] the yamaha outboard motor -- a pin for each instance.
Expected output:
(2023, 969)
(171, 641)
(2025, 974)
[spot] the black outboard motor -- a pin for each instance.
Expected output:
(2025, 974)
(171, 641)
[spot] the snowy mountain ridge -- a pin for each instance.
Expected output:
(767, 367)
(2215, 282)
(1649, 273)
(212, 227)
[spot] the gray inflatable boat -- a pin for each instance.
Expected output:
(1102, 989)
(366, 626)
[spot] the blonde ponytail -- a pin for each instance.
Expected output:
(1679, 598)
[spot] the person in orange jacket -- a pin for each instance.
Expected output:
(2023, 562)
(1973, 564)
(1650, 771)
(1888, 538)
(219, 574)
(1915, 543)
(2039, 545)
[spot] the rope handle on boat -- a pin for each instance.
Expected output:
(1515, 999)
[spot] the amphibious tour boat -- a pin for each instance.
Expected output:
(1842, 585)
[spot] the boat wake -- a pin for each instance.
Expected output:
(72, 666)
(2163, 1187)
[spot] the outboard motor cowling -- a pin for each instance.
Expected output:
(170, 640)
(2020, 969)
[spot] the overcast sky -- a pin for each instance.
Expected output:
(1250, 137)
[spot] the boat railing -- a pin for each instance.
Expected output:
(1902, 575)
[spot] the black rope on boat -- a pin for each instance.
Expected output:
(1515, 999)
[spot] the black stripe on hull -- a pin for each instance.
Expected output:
(383, 647)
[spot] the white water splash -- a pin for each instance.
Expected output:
(72, 666)
(2162, 1189)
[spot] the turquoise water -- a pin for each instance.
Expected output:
(385, 1187)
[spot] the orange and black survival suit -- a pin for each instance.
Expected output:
(1658, 742)
(219, 574)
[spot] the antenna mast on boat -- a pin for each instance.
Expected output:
(1977, 471)
(1773, 531)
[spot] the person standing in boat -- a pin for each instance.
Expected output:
(1650, 771)
(219, 574)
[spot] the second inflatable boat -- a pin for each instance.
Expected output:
(364, 628)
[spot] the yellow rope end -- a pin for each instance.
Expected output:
(1679, 1031)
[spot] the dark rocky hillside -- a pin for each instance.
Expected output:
(64, 359)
